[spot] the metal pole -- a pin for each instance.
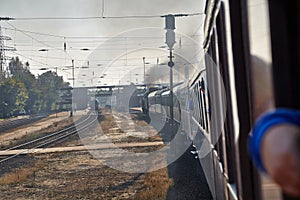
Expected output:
(73, 73)
(144, 70)
(73, 78)
(170, 41)
(171, 89)
(156, 70)
(171, 64)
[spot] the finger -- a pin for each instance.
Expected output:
(293, 191)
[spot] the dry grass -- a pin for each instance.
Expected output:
(108, 123)
(18, 175)
(36, 134)
(155, 186)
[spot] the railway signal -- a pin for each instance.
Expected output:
(170, 41)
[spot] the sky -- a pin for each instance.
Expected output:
(122, 38)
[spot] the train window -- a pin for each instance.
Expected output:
(200, 105)
(259, 38)
(259, 32)
(260, 46)
(205, 104)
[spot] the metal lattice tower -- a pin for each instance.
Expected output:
(3, 49)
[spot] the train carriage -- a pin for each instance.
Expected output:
(229, 39)
(215, 107)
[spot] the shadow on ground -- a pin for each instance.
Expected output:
(188, 176)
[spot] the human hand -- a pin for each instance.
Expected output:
(280, 154)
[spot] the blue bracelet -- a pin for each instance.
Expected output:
(279, 116)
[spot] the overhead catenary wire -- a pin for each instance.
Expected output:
(30, 36)
(80, 37)
(32, 32)
(87, 38)
(43, 43)
(94, 60)
(56, 48)
(65, 38)
(45, 64)
(113, 47)
(98, 17)
(40, 41)
(77, 18)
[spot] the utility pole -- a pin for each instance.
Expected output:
(156, 70)
(144, 70)
(73, 74)
(73, 91)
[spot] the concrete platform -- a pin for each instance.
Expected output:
(77, 148)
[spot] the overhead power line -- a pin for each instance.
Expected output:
(32, 59)
(32, 32)
(39, 40)
(31, 37)
(82, 37)
(96, 17)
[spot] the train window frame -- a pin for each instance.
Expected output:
(228, 136)
(285, 46)
(249, 186)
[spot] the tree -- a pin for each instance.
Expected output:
(22, 90)
(16, 68)
(13, 96)
(49, 85)
(22, 73)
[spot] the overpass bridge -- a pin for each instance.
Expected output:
(81, 97)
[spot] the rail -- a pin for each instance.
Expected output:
(82, 124)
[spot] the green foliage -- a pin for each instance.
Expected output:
(21, 73)
(13, 96)
(22, 90)
(49, 85)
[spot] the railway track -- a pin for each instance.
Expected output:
(59, 136)
(10, 124)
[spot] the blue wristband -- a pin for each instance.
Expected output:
(279, 116)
